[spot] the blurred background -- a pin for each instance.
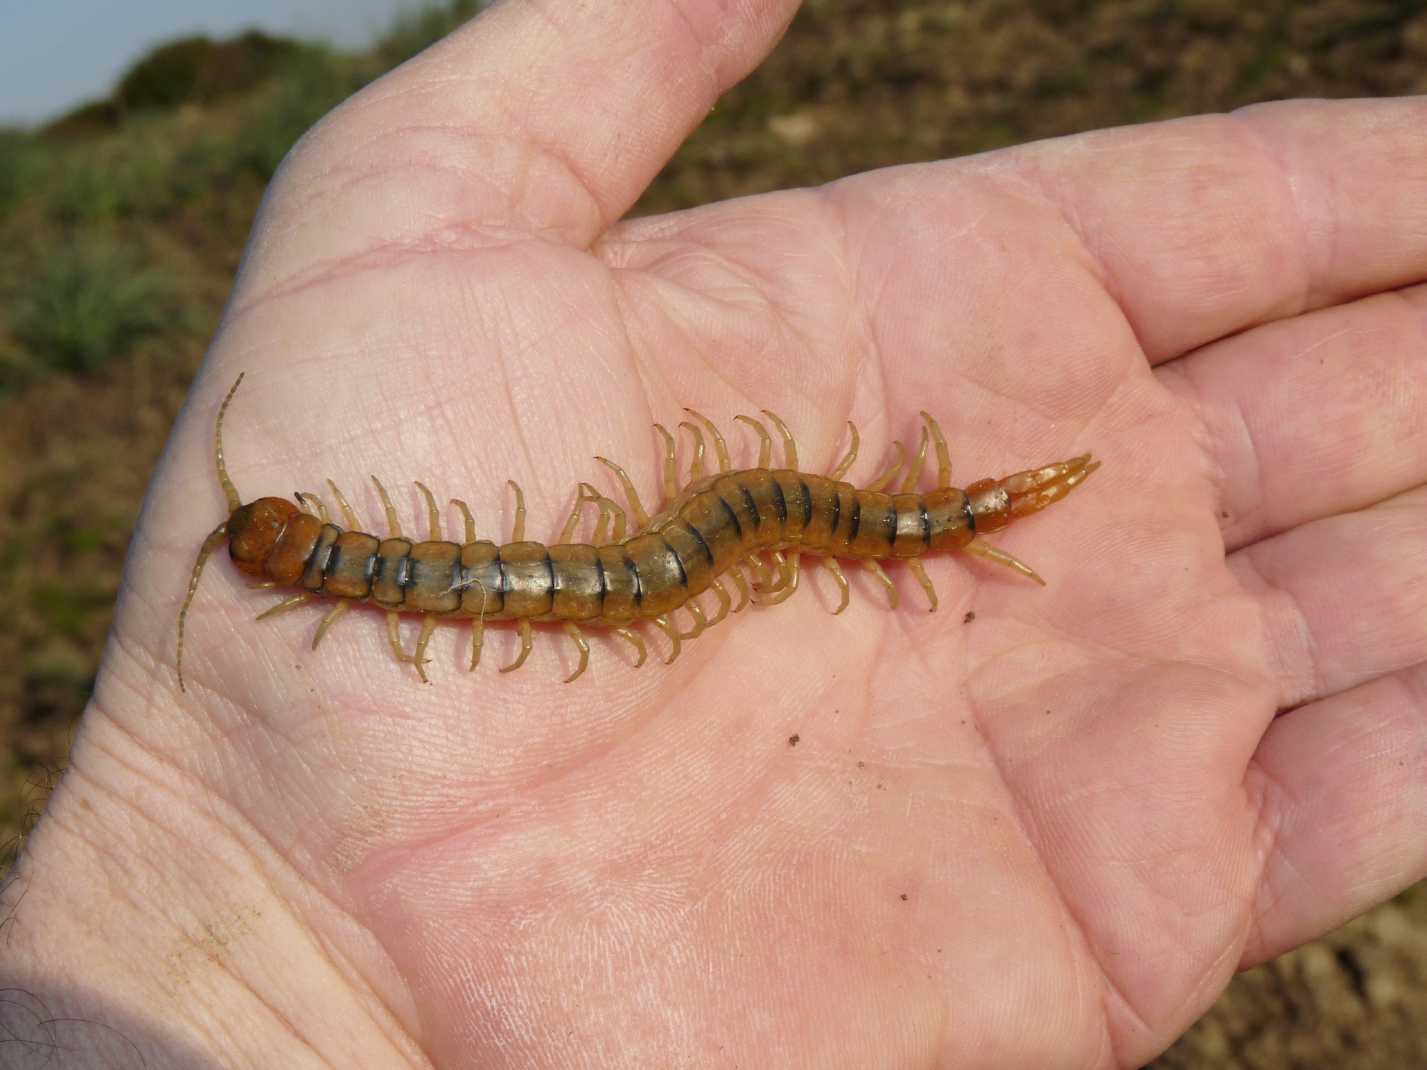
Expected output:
(137, 149)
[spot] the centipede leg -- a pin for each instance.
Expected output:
(466, 516)
(670, 472)
(662, 623)
(286, 604)
(433, 514)
(568, 531)
(517, 529)
(725, 602)
(833, 566)
(577, 637)
(601, 532)
(790, 446)
(943, 454)
(348, 517)
(216, 538)
(428, 627)
(851, 455)
(621, 521)
(393, 635)
(302, 500)
(741, 582)
(765, 443)
(768, 578)
(876, 569)
(392, 523)
(701, 622)
(478, 638)
(780, 563)
(720, 446)
(634, 639)
(914, 473)
(762, 574)
(696, 466)
(526, 640)
(899, 457)
(992, 553)
(790, 583)
(919, 571)
(636, 507)
(333, 614)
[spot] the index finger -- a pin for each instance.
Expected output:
(1202, 227)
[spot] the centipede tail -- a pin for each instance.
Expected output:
(752, 527)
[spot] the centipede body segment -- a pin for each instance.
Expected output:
(748, 528)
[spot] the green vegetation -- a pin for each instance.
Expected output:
(86, 302)
(121, 225)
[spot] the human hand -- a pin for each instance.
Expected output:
(1042, 837)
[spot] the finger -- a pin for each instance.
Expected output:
(1313, 415)
(547, 116)
(1205, 226)
(1344, 600)
(1343, 788)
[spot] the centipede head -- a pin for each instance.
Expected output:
(253, 531)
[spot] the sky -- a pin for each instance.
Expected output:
(55, 54)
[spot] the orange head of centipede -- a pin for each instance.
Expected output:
(254, 529)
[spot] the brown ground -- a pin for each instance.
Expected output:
(112, 276)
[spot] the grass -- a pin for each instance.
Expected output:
(121, 226)
(88, 302)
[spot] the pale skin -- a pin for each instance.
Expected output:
(1045, 837)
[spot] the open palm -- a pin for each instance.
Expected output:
(1038, 827)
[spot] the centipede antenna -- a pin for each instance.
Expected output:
(216, 538)
(231, 491)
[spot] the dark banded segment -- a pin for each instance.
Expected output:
(796, 505)
(874, 525)
(764, 498)
(528, 577)
(393, 567)
(483, 592)
(693, 554)
(911, 530)
(823, 513)
(433, 580)
(660, 574)
(621, 602)
(315, 573)
(578, 590)
(351, 565)
(947, 519)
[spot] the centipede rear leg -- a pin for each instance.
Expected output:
(981, 548)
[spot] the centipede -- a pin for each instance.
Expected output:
(745, 528)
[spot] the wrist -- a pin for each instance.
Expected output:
(144, 918)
